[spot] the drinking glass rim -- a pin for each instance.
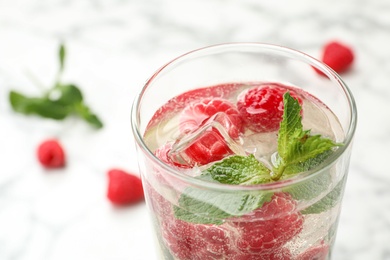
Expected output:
(266, 186)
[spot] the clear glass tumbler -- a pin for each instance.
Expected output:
(299, 219)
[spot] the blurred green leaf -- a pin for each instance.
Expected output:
(61, 56)
(68, 94)
(85, 113)
(39, 106)
(58, 102)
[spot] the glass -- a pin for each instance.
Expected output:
(307, 230)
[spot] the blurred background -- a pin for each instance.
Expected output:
(112, 47)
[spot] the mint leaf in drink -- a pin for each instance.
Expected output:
(327, 202)
(298, 150)
(306, 165)
(310, 188)
(59, 102)
(239, 170)
(212, 207)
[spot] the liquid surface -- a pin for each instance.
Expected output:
(165, 126)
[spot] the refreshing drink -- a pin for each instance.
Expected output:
(249, 169)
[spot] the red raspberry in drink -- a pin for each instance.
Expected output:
(217, 241)
(210, 145)
(315, 253)
(182, 238)
(158, 203)
(281, 254)
(258, 235)
(269, 227)
(196, 114)
(261, 107)
(163, 154)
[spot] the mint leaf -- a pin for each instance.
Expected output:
(243, 170)
(327, 202)
(193, 209)
(297, 149)
(310, 188)
(302, 150)
(58, 102)
(68, 94)
(39, 106)
(213, 207)
(291, 126)
(84, 112)
(311, 163)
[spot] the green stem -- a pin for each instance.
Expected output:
(278, 172)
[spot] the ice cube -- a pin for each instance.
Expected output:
(210, 142)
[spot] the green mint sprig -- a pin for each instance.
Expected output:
(59, 102)
(297, 151)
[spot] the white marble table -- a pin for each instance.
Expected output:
(114, 46)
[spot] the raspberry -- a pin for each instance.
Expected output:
(210, 145)
(51, 154)
(315, 253)
(159, 205)
(338, 56)
(216, 239)
(178, 103)
(182, 239)
(124, 188)
(269, 227)
(281, 254)
(198, 113)
(261, 107)
(258, 235)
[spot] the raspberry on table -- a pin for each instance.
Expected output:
(261, 107)
(124, 188)
(338, 56)
(51, 154)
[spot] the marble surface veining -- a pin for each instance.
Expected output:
(113, 47)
